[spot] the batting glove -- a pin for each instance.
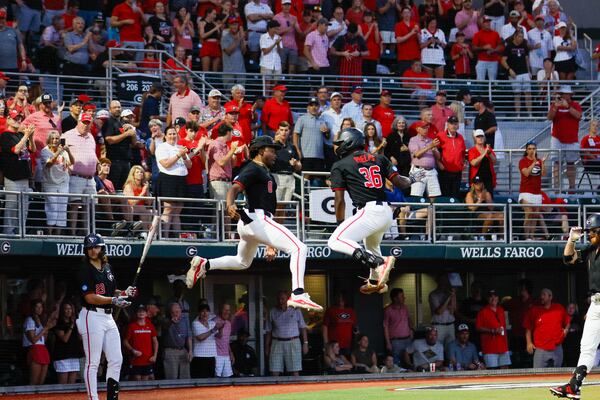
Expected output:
(131, 291)
(596, 298)
(575, 234)
(417, 175)
(120, 302)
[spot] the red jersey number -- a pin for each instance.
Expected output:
(372, 176)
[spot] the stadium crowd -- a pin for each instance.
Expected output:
(174, 340)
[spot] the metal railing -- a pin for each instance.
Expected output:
(287, 214)
(542, 222)
(589, 47)
(467, 222)
(11, 209)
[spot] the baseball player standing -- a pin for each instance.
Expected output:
(98, 329)
(589, 254)
(363, 175)
(256, 225)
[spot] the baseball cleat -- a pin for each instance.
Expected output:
(566, 391)
(117, 227)
(303, 301)
(196, 272)
(370, 288)
(383, 271)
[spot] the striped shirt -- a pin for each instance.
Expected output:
(319, 48)
(181, 104)
(285, 324)
(206, 347)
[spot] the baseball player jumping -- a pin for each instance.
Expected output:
(95, 322)
(363, 174)
(589, 254)
(256, 225)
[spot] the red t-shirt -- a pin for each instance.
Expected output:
(532, 183)
(148, 6)
(140, 338)
(372, 45)
(462, 65)
(170, 64)
(525, 23)
(473, 171)
(432, 131)
(483, 37)
(129, 33)
(354, 16)
(385, 116)
(490, 319)
(421, 83)
(273, 113)
(370, 5)
(54, 5)
(68, 18)
(339, 322)
(150, 64)
(589, 142)
(453, 151)
(547, 325)
(410, 49)
(194, 176)
(565, 127)
(557, 201)
(244, 119)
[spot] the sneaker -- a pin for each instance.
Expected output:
(303, 301)
(117, 227)
(136, 226)
(196, 272)
(566, 391)
(383, 271)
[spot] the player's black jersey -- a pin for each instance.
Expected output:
(587, 254)
(260, 187)
(363, 175)
(92, 280)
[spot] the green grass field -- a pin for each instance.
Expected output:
(388, 393)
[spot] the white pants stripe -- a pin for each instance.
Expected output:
(263, 230)
(590, 338)
(369, 224)
(99, 333)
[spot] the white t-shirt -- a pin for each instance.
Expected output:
(207, 347)
(541, 74)
(165, 151)
(58, 173)
(508, 30)
(29, 325)
(333, 25)
(253, 8)
(536, 56)
(434, 53)
(561, 55)
(271, 60)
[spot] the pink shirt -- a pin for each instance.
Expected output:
(223, 340)
(83, 149)
(440, 116)
(42, 127)
(397, 321)
(180, 105)
(218, 149)
(471, 27)
(415, 144)
(319, 47)
(289, 39)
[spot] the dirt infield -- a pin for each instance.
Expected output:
(244, 392)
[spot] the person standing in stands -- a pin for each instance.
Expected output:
(128, 17)
(452, 150)
(118, 144)
(275, 110)
(339, 324)
(397, 325)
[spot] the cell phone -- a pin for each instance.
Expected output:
(63, 141)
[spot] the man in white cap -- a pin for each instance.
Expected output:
(514, 23)
(565, 114)
(214, 112)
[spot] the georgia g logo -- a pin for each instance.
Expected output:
(110, 276)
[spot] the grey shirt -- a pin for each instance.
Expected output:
(423, 353)
(9, 47)
(285, 324)
(81, 56)
(233, 62)
(176, 335)
(436, 299)
(311, 138)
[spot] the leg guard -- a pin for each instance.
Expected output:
(367, 259)
(578, 376)
(112, 389)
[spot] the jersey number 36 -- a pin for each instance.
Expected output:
(372, 176)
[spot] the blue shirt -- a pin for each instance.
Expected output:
(464, 355)
(151, 107)
(395, 195)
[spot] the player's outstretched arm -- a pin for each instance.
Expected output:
(569, 253)
(401, 182)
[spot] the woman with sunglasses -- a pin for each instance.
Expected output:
(530, 192)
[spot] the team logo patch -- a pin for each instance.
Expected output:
(270, 186)
(100, 289)
(344, 315)
(110, 276)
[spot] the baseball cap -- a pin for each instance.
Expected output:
(385, 92)
(195, 109)
(233, 20)
(430, 328)
(99, 17)
(565, 89)
(89, 106)
(514, 13)
(4, 77)
(14, 114)
(313, 100)
(126, 113)
(478, 132)
(539, 17)
(460, 33)
(85, 117)
(75, 101)
(232, 109)
(463, 327)
(102, 114)
(441, 93)
(356, 89)
(477, 99)
(492, 292)
(286, 1)
(215, 93)
(486, 18)
(477, 179)
(179, 121)
(2, 13)
(281, 88)
(561, 24)
(334, 94)
(453, 120)
(140, 307)
(420, 124)
(46, 98)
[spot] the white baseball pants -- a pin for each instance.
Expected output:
(99, 333)
(369, 224)
(590, 338)
(263, 230)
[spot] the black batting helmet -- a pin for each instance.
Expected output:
(93, 240)
(592, 222)
(349, 139)
(264, 141)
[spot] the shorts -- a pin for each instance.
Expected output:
(496, 360)
(570, 151)
(388, 37)
(143, 370)
(566, 66)
(254, 41)
(286, 185)
(521, 83)
(270, 74)
(79, 185)
(219, 189)
(38, 353)
(430, 183)
(530, 198)
(286, 354)
(211, 49)
(223, 367)
(171, 185)
(67, 365)
(432, 66)
(288, 56)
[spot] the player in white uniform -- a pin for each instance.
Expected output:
(256, 226)
(95, 322)
(363, 175)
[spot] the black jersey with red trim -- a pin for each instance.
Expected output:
(259, 185)
(96, 281)
(363, 175)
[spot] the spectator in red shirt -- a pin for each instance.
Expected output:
(384, 113)
(452, 148)
(530, 192)
(548, 323)
(488, 46)
(369, 30)
(339, 323)
(591, 159)
(491, 325)
(246, 109)
(275, 110)
(420, 81)
(462, 55)
(129, 18)
(142, 344)
(481, 160)
(565, 114)
(440, 111)
(407, 41)
(426, 121)
(70, 14)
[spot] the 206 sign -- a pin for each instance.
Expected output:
(130, 87)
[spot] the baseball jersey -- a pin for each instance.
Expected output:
(588, 254)
(260, 187)
(95, 281)
(363, 175)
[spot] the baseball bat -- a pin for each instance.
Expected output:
(151, 233)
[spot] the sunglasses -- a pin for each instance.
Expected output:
(52, 123)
